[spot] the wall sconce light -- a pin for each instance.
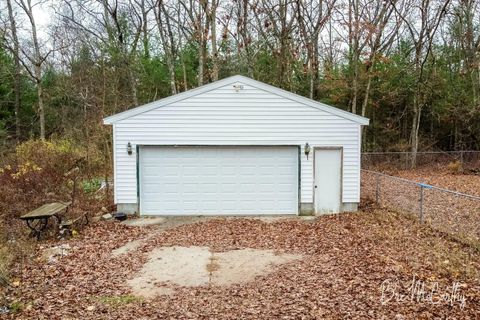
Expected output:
(129, 149)
(307, 149)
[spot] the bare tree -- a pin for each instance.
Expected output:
(422, 25)
(211, 13)
(312, 16)
(164, 25)
(17, 76)
(117, 25)
(244, 33)
(382, 32)
(355, 48)
(275, 23)
(36, 60)
(198, 30)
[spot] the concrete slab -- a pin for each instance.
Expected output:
(130, 246)
(239, 266)
(168, 267)
(142, 222)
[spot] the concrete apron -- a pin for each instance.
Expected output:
(169, 267)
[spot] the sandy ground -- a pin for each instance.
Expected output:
(168, 267)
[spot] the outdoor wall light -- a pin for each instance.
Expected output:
(129, 149)
(307, 149)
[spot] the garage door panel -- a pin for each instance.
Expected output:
(218, 180)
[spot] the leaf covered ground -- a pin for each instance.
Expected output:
(346, 259)
(443, 178)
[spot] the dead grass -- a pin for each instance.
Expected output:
(118, 301)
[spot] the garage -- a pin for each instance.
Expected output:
(218, 180)
(236, 146)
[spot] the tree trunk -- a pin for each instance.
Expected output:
(200, 62)
(17, 79)
(41, 107)
(133, 85)
(242, 28)
(146, 42)
(367, 95)
(355, 85)
(355, 54)
(310, 68)
(364, 108)
(167, 43)
(201, 45)
(315, 71)
(185, 79)
(213, 28)
(37, 70)
(417, 112)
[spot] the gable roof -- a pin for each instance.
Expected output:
(232, 80)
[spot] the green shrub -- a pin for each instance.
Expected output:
(92, 185)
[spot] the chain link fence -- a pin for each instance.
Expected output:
(452, 212)
(402, 160)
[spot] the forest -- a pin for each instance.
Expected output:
(411, 66)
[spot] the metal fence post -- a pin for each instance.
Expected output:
(377, 190)
(422, 186)
(421, 203)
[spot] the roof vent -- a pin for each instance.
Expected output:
(238, 87)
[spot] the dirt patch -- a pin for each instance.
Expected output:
(168, 267)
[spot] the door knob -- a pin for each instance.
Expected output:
(315, 187)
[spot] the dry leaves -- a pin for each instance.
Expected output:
(347, 257)
(454, 214)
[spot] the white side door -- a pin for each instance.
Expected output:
(328, 180)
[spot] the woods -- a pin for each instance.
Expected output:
(412, 67)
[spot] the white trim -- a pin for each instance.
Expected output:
(217, 84)
(359, 175)
(114, 146)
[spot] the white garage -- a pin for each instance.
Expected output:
(236, 147)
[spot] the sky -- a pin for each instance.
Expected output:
(42, 15)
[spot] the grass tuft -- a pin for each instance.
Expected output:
(117, 301)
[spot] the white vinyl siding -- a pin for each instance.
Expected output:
(250, 116)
